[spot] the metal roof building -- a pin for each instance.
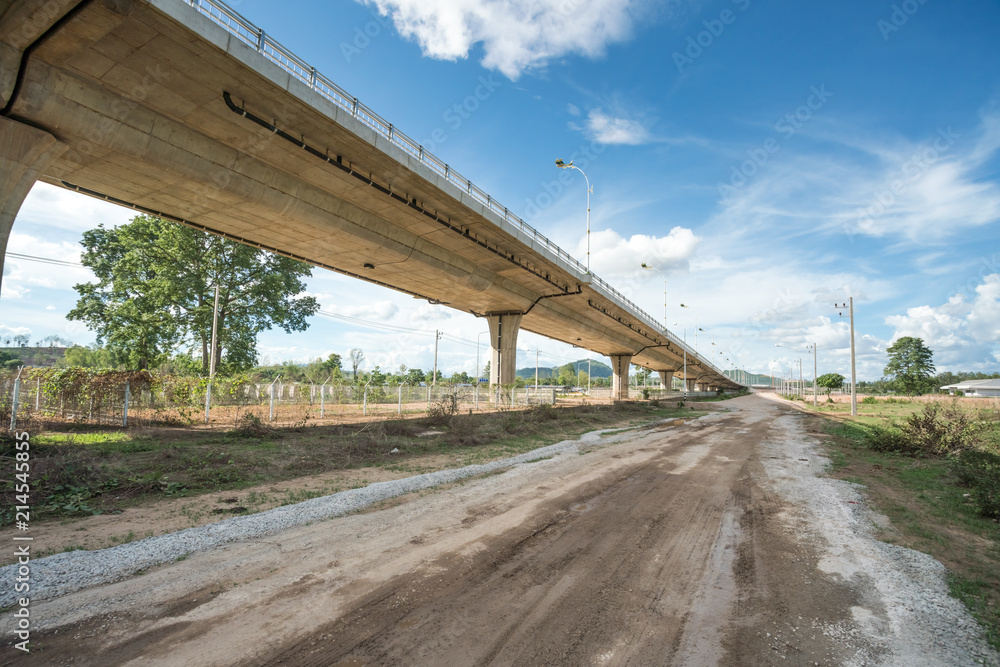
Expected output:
(976, 387)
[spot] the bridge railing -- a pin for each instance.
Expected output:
(255, 37)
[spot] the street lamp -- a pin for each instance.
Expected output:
(647, 266)
(563, 165)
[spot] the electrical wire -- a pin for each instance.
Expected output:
(43, 260)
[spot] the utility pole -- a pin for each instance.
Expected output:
(536, 371)
(437, 337)
(215, 323)
(854, 377)
(815, 377)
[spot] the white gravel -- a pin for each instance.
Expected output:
(907, 616)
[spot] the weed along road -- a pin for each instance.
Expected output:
(710, 541)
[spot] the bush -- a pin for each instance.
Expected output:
(886, 439)
(869, 400)
(980, 471)
(938, 431)
(829, 400)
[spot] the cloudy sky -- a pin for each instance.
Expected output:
(772, 159)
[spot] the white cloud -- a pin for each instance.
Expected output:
(610, 129)
(20, 274)
(959, 331)
(923, 191)
(13, 331)
(616, 257)
(516, 35)
(379, 311)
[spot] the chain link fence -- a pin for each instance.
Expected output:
(35, 397)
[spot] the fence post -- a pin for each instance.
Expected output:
(272, 402)
(428, 397)
(208, 399)
(476, 392)
(364, 403)
(400, 409)
(125, 412)
(13, 405)
(38, 391)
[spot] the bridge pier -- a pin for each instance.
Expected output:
(666, 379)
(503, 347)
(691, 384)
(619, 381)
(25, 152)
(667, 376)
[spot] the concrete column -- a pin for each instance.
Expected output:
(619, 381)
(665, 379)
(503, 347)
(691, 384)
(25, 152)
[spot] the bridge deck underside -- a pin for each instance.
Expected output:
(136, 90)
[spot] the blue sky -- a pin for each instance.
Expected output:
(770, 158)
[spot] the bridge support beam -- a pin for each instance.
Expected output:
(666, 379)
(503, 347)
(619, 381)
(25, 152)
(692, 384)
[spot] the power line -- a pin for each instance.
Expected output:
(43, 260)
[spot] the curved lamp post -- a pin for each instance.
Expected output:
(563, 165)
(647, 266)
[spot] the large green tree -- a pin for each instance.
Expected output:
(830, 381)
(155, 292)
(910, 365)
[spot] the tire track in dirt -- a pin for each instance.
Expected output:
(604, 574)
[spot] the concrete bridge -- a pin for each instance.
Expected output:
(185, 110)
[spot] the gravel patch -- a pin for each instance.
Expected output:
(908, 616)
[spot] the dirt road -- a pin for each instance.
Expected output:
(703, 543)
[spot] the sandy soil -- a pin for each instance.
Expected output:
(687, 545)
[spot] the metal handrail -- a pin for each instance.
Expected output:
(254, 37)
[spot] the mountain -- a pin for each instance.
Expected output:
(598, 369)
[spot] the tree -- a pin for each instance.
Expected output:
(9, 360)
(414, 376)
(830, 381)
(79, 356)
(156, 292)
(21, 340)
(910, 365)
(356, 357)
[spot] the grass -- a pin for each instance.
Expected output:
(81, 472)
(929, 511)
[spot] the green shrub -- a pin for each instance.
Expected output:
(980, 471)
(869, 400)
(938, 431)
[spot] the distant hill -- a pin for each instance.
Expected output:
(598, 369)
(34, 356)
